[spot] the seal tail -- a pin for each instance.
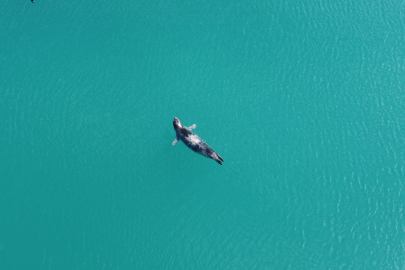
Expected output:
(219, 159)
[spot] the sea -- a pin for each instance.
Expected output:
(303, 99)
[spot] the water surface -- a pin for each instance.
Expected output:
(303, 100)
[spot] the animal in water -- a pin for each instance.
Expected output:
(194, 142)
(32, 1)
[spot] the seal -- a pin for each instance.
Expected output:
(194, 142)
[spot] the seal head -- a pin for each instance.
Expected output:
(177, 124)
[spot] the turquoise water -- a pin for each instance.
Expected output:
(304, 101)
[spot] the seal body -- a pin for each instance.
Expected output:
(194, 142)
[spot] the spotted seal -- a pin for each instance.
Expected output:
(194, 142)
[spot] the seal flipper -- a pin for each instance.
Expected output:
(192, 127)
(218, 159)
(175, 141)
